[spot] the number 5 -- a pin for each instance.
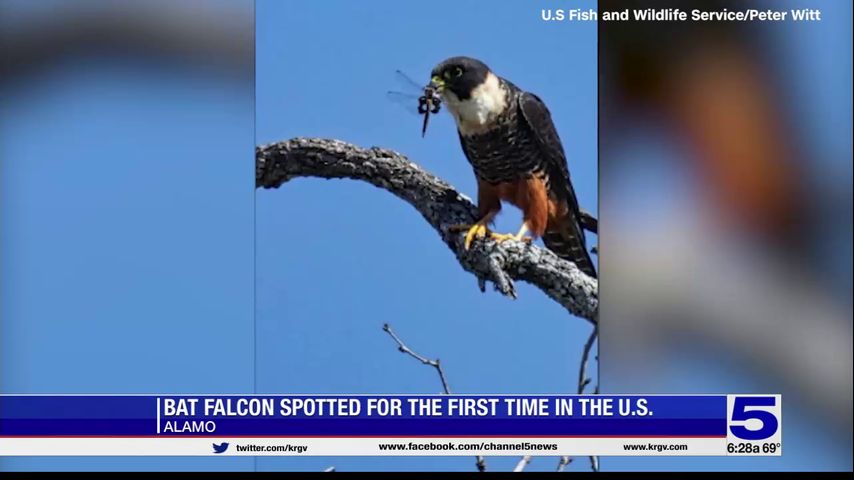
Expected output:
(740, 413)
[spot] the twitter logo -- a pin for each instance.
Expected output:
(220, 448)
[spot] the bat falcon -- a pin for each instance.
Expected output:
(509, 139)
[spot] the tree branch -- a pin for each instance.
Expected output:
(584, 380)
(426, 361)
(564, 461)
(523, 462)
(480, 462)
(441, 206)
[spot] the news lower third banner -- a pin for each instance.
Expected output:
(298, 425)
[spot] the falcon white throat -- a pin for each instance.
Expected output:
(486, 102)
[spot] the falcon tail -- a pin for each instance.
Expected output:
(566, 239)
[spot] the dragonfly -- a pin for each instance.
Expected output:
(416, 99)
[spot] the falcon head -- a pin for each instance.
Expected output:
(473, 94)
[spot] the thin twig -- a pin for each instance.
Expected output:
(594, 463)
(480, 462)
(523, 462)
(584, 380)
(426, 361)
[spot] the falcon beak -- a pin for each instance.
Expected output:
(437, 84)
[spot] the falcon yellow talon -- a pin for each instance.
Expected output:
(480, 230)
(477, 230)
(500, 237)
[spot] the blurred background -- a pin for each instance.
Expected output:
(725, 172)
(126, 204)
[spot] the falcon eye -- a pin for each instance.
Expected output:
(452, 73)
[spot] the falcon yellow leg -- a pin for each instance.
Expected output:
(519, 236)
(480, 230)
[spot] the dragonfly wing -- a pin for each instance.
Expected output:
(407, 83)
(407, 101)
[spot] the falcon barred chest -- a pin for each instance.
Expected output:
(509, 139)
(504, 152)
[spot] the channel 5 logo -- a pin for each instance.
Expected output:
(754, 417)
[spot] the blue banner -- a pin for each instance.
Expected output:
(363, 415)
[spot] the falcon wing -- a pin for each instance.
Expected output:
(571, 239)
